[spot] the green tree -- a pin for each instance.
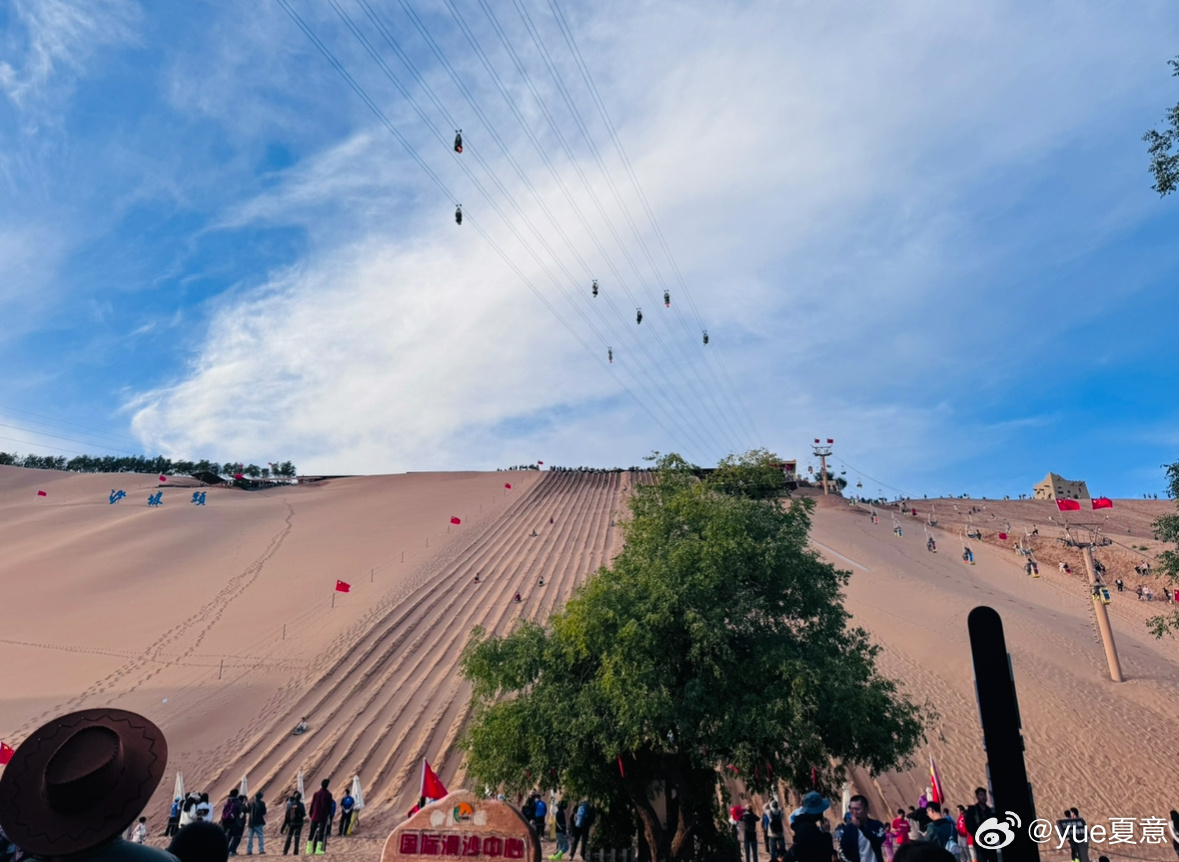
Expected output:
(1166, 529)
(716, 641)
(1164, 160)
(756, 474)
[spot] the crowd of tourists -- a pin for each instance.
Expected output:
(75, 790)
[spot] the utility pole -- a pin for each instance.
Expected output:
(1111, 649)
(821, 452)
(1099, 609)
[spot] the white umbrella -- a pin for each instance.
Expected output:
(357, 793)
(846, 798)
(299, 785)
(178, 790)
(243, 789)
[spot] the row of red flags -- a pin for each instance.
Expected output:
(507, 485)
(1075, 505)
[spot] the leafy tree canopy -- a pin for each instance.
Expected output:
(717, 641)
(1166, 529)
(1162, 146)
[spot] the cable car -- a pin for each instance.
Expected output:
(458, 214)
(595, 288)
(666, 299)
(458, 140)
(706, 336)
(638, 315)
(610, 354)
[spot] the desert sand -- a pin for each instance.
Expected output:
(218, 623)
(1106, 748)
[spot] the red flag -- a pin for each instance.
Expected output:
(6, 753)
(541, 463)
(432, 787)
(238, 476)
(935, 783)
(1103, 503)
(621, 771)
(829, 441)
(508, 485)
(163, 478)
(42, 494)
(816, 439)
(1003, 537)
(455, 521)
(342, 587)
(1068, 505)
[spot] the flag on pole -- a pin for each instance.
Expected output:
(455, 521)
(1068, 505)
(830, 441)
(163, 478)
(357, 793)
(1103, 503)
(342, 587)
(42, 494)
(299, 785)
(935, 783)
(541, 463)
(178, 790)
(244, 788)
(6, 752)
(432, 787)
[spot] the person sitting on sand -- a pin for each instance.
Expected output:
(301, 727)
(476, 577)
(517, 598)
(540, 583)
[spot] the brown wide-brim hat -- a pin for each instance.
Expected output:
(80, 780)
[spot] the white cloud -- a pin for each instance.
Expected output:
(828, 175)
(59, 37)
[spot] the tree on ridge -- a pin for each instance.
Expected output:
(716, 644)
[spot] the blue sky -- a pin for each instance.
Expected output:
(924, 230)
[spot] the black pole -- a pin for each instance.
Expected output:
(998, 711)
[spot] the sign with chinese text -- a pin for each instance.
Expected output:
(463, 826)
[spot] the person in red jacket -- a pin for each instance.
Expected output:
(321, 818)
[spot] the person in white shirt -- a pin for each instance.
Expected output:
(139, 833)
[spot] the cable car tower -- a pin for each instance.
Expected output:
(1086, 537)
(821, 451)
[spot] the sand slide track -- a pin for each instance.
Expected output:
(401, 676)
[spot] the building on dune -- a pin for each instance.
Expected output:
(1055, 488)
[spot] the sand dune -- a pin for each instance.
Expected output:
(226, 611)
(1103, 747)
(217, 622)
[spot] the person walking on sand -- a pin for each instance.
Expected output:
(173, 818)
(321, 818)
(257, 813)
(860, 839)
(561, 819)
(583, 819)
(347, 803)
(749, 821)
(292, 823)
(900, 827)
(776, 830)
(976, 814)
(811, 843)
